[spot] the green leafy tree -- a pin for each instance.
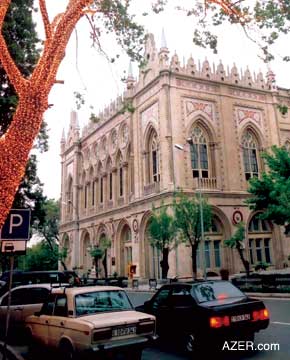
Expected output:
(98, 252)
(40, 257)
(271, 192)
(162, 231)
(237, 242)
(187, 212)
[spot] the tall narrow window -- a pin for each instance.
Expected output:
(101, 190)
(154, 162)
(250, 155)
(199, 153)
(121, 181)
(86, 195)
(110, 186)
(93, 192)
(259, 243)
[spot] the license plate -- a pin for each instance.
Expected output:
(243, 317)
(130, 330)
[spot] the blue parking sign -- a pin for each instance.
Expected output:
(16, 226)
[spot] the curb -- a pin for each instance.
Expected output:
(269, 295)
(12, 354)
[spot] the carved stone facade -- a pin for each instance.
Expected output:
(196, 127)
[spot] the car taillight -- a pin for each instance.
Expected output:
(102, 334)
(145, 327)
(218, 321)
(260, 315)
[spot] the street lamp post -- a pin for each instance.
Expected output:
(202, 241)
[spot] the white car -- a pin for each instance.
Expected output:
(91, 321)
(25, 301)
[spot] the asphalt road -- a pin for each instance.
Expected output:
(277, 333)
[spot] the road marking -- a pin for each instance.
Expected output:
(280, 323)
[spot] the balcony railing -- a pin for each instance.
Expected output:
(205, 183)
(152, 188)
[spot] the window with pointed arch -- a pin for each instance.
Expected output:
(110, 180)
(120, 177)
(250, 154)
(199, 153)
(69, 199)
(153, 175)
(259, 241)
(101, 184)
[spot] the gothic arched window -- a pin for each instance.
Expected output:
(199, 153)
(152, 164)
(110, 179)
(250, 155)
(121, 177)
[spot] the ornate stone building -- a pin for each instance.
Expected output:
(192, 126)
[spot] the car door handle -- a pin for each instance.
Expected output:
(62, 323)
(46, 321)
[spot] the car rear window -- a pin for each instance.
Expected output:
(101, 301)
(212, 291)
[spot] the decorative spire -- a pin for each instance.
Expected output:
(62, 140)
(130, 78)
(271, 79)
(163, 40)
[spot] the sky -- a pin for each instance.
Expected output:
(86, 71)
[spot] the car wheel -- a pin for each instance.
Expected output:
(190, 344)
(66, 351)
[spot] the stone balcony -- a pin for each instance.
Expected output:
(151, 188)
(205, 183)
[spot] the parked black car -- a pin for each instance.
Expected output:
(38, 277)
(205, 312)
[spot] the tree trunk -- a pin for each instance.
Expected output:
(105, 264)
(63, 265)
(164, 262)
(194, 263)
(15, 146)
(97, 267)
(244, 261)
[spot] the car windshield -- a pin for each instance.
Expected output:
(212, 291)
(101, 301)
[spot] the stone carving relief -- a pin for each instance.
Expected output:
(150, 115)
(192, 106)
(114, 140)
(244, 114)
(124, 135)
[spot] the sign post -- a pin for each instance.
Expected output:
(14, 235)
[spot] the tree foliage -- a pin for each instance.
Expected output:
(162, 232)
(187, 212)
(263, 21)
(271, 192)
(40, 257)
(237, 242)
(98, 252)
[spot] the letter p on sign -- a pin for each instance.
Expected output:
(16, 226)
